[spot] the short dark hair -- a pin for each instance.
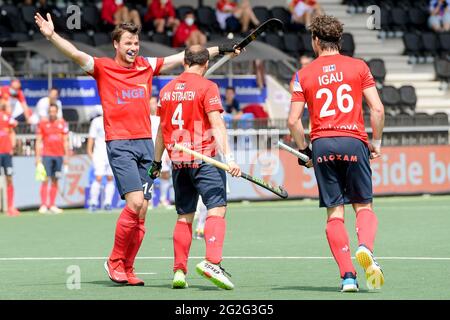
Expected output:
(231, 88)
(120, 29)
(54, 88)
(328, 30)
(196, 54)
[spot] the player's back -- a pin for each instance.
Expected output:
(332, 86)
(184, 104)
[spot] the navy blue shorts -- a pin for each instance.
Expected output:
(6, 167)
(342, 169)
(129, 161)
(190, 182)
(53, 166)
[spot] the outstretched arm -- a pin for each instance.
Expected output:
(85, 61)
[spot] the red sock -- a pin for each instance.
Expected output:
(44, 192)
(53, 191)
(338, 240)
(182, 239)
(214, 235)
(10, 195)
(135, 244)
(125, 227)
(366, 227)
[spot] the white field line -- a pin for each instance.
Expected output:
(231, 258)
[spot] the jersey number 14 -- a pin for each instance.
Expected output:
(341, 97)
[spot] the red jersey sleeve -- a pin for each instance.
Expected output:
(156, 64)
(297, 90)
(21, 97)
(212, 101)
(98, 67)
(367, 80)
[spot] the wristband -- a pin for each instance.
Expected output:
(376, 143)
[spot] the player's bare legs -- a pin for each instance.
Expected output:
(53, 193)
(366, 229)
(338, 241)
(44, 196)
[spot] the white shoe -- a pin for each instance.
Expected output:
(43, 209)
(214, 273)
(56, 210)
(179, 280)
(374, 274)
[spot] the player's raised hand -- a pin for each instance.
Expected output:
(235, 171)
(45, 26)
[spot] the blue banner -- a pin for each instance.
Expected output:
(83, 91)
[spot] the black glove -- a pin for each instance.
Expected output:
(307, 151)
(154, 169)
(227, 47)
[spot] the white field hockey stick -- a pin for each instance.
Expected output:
(299, 155)
(279, 191)
(269, 24)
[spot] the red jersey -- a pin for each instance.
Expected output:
(109, 8)
(6, 124)
(182, 34)
(332, 86)
(157, 11)
(184, 106)
(125, 96)
(223, 5)
(5, 94)
(53, 134)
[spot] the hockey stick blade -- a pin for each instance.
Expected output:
(279, 191)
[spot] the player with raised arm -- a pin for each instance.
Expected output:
(125, 85)
(333, 86)
(190, 111)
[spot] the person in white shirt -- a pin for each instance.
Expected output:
(96, 150)
(43, 104)
(164, 178)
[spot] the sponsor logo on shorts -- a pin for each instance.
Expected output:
(337, 157)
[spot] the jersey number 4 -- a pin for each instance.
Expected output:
(177, 117)
(340, 98)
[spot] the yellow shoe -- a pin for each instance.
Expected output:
(374, 274)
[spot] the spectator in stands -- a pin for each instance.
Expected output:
(14, 97)
(232, 108)
(187, 33)
(234, 17)
(302, 11)
(115, 12)
(41, 112)
(439, 19)
(161, 15)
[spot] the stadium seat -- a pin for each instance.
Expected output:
(430, 44)
(391, 99)
(283, 14)
(418, 18)
(293, 44)
(70, 115)
(400, 19)
(378, 69)
(206, 19)
(11, 17)
(20, 36)
(262, 13)
(182, 10)
(28, 12)
(423, 119)
(274, 40)
(444, 44)
(413, 44)
(82, 37)
(162, 38)
(101, 38)
(348, 45)
(408, 99)
(440, 119)
(90, 17)
(442, 68)
(307, 44)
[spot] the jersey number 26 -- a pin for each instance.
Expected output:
(340, 98)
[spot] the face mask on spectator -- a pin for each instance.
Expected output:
(12, 92)
(119, 2)
(189, 21)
